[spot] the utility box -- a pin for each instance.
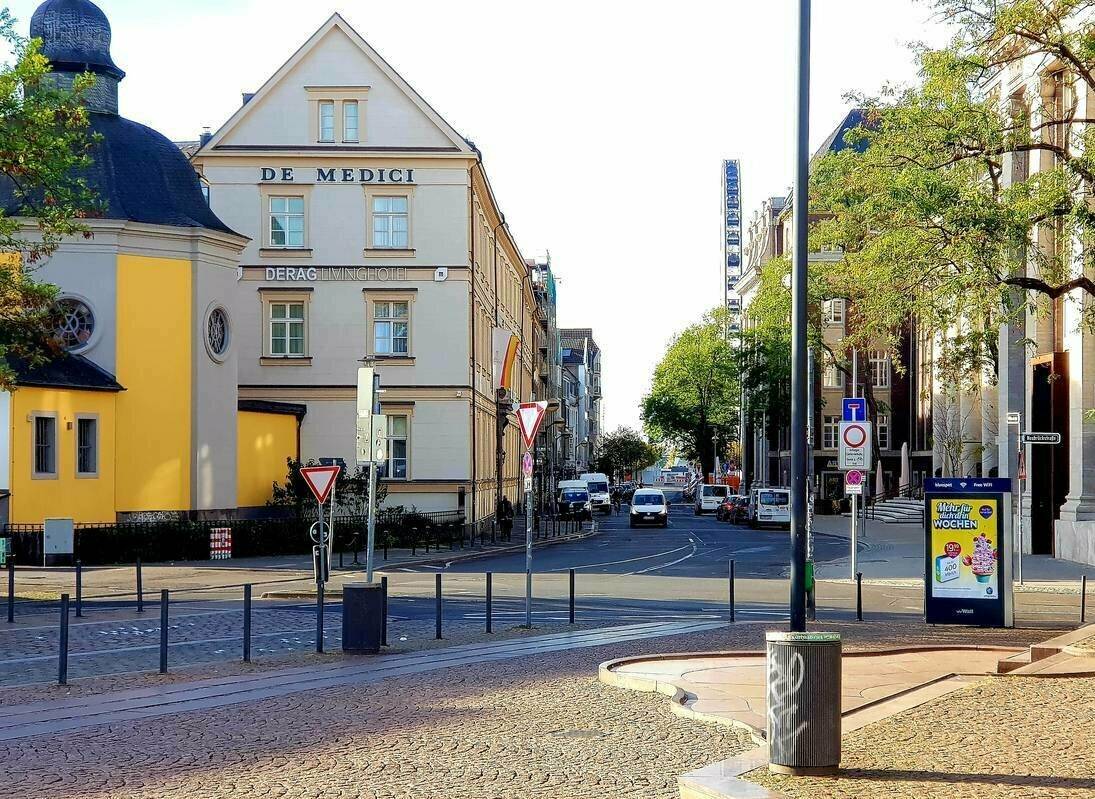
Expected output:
(362, 617)
(58, 542)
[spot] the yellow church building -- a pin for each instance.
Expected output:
(140, 418)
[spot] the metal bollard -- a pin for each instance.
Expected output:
(247, 623)
(11, 589)
(340, 559)
(140, 589)
(386, 542)
(319, 618)
(572, 596)
(384, 610)
(437, 594)
(79, 590)
(62, 651)
(1083, 599)
(859, 596)
(733, 608)
(489, 576)
(163, 630)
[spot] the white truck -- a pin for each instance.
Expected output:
(599, 497)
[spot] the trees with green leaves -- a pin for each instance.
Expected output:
(693, 400)
(44, 144)
(351, 491)
(624, 450)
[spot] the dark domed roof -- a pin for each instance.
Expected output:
(75, 36)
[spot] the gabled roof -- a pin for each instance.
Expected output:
(835, 142)
(65, 371)
(337, 22)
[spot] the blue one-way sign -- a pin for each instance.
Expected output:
(855, 409)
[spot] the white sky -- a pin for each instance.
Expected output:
(602, 123)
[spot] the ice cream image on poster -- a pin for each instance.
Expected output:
(983, 560)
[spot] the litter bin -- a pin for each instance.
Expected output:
(803, 703)
(362, 617)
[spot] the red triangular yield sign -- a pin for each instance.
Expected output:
(321, 479)
(529, 416)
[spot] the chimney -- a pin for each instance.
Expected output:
(207, 134)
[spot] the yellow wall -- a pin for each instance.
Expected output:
(86, 499)
(264, 441)
(154, 365)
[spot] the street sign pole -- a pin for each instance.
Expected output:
(528, 554)
(371, 529)
(530, 415)
(1016, 420)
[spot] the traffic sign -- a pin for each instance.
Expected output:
(1014, 418)
(853, 482)
(855, 446)
(529, 416)
(1022, 474)
(528, 485)
(526, 464)
(855, 409)
(1040, 438)
(320, 479)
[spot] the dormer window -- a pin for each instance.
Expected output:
(327, 121)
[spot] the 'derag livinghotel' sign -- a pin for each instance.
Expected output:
(316, 274)
(336, 175)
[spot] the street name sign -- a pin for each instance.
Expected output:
(855, 409)
(320, 479)
(1040, 438)
(855, 446)
(1014, 418)
(529, 416)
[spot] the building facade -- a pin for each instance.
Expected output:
(581, 388)
(374, 234)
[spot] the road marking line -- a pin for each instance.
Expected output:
(692, 554)
(626, 560)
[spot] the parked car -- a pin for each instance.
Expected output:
(572, 501)
(770, 506)
(649, 506)
(709, 497)
(733, 509)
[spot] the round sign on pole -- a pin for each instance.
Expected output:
(526, 464)
(854, 477)
(855, 436)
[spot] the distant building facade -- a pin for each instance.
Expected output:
(581, 385)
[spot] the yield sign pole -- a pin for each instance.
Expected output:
(529, 417)
(321, 481)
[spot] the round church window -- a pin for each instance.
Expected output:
(77, 324)
(217, 333)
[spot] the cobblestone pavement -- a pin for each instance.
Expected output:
(538, 727)
(1008, 737)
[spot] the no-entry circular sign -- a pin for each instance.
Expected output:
(855, 436)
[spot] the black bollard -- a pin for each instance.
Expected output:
(163, 630)
(733, 608)
(384, 610)
(437, 595)
(79, 590)
(11, 589)
(62, 650)
(1083, 599)
(140, 589)
(247, 623)
(572, 596)
(859, 596)
(489, 581)
(319, 618)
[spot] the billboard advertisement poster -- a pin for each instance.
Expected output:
(965, 559)
(964, 545)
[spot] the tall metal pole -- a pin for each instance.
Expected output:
(799, 276)
(528, 560)
(371, 535)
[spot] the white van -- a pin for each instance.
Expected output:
(709, 497)
(770, 506)
(599, 498)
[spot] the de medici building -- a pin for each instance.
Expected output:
(374, 234)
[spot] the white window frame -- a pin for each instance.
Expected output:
(834, 311)
(346, 128)
(880, 369)
(53, 473)
(390, 217)
(406, 439)
(882, 431)
(325, 105)
(285, 217)
(832, 377)
(390, 319)
(81, 419)
(287, 320)
(830, 432)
